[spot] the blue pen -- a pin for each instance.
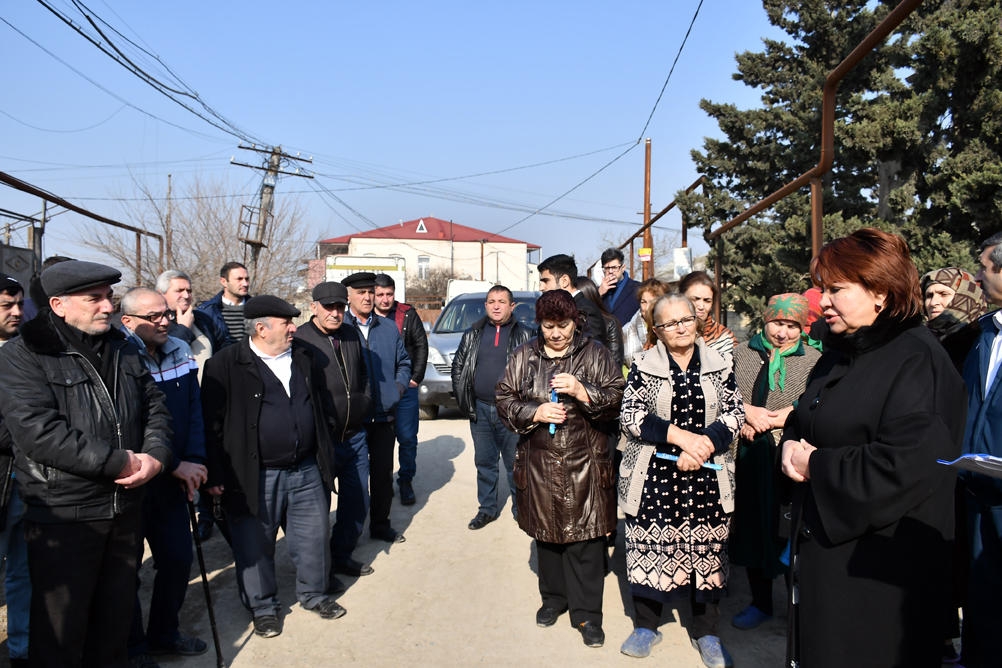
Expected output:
(554, 399)
(674, 458)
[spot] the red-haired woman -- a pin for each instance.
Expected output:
(560, 393)
(873, 514)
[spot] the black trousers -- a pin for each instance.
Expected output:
(381, 438)
(705, 615)
(83, 581)
(572, 577)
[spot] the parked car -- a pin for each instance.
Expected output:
(458, 316)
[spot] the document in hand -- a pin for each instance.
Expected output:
(984, 464)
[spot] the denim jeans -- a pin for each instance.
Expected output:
(406, 426)
(297, 497)
(491, 439)
(351, 459)
(17, 581)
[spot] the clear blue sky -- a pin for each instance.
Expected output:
(379, 93)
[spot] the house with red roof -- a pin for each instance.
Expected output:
(430, 244)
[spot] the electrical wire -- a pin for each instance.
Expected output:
(668, 78)
(84, 129)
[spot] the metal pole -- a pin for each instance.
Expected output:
(205, 585)
(648, 236)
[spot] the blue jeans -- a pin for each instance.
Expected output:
(17, 581)
(491, 439)
(406, 427)
(351, 459)
(296, 498)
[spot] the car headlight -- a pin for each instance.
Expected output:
(435, 357)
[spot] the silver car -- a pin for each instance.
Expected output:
(457, 317)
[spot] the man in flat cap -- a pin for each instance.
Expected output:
(90, 429)
(338, 350)
(17, 583)
(390, 371)
(268, 427)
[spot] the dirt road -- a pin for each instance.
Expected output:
(448, 596)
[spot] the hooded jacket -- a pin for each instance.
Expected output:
(70, 431)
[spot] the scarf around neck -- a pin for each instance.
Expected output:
(777, 358)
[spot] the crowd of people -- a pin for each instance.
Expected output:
(812, 450)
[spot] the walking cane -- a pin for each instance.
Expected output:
(205, 585)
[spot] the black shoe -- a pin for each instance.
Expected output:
(182, 646)
(137, 661)
(353, 568)
(481, 520)
(547, 616)
(407, 497)
(204, 528)
(389, 534)
(267, 626)
(328, 608)
(592, 634)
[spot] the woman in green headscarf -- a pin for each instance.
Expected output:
(771, 371)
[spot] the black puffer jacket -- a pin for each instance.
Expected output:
(70, 431)
(565, 480)
(464, 362)
(348, 386)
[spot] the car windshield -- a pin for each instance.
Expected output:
(460, 314)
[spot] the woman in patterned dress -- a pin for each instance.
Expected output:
(702, 292)
(681, 411)
(771, 370)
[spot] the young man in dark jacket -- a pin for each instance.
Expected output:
(338, 350)
(90, 429)
(477, 367)
(416, 344)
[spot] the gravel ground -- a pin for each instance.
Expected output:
(448, 596)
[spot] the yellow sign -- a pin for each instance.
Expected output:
(644, 254)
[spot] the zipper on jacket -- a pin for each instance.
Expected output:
(347, 389)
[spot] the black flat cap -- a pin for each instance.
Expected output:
(360, 279)
(268, 306)
(9, 284)
(330, 292)
(66, 278)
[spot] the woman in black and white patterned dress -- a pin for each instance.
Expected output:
(681, 412)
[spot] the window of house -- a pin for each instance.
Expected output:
(423, 267)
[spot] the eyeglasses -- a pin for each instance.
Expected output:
(672, 324)
(151, 317)
(611, 268)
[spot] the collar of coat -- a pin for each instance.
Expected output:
(40, 335)
(654, 362)
(579, 342)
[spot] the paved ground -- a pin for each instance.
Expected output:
(448, 596)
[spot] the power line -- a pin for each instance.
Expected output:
(668, 78)
(84, 129)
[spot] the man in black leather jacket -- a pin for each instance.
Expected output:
(338, 350)
(477, 367)
(89, 429)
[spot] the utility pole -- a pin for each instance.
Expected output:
(168, 230)
(648, 265)
(254, 221)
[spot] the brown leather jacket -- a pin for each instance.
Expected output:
(565, 484)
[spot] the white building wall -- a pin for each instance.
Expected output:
(503, 263)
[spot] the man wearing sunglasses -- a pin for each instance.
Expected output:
(145, 320)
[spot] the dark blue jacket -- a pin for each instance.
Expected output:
(388, 364)
(622, 301)
(214, 309)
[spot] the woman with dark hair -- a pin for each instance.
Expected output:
(873, 513)
(771, 370)
(681, 412)
(559, 393)
(638, 335)
(702, 292)
(613, 331)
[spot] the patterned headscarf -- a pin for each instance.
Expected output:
(787, 306)
(968, 304)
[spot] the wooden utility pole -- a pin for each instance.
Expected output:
(648, 266)
(168, 231)
(254, 221)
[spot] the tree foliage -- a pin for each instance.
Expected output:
(203, 230)
(918, 140)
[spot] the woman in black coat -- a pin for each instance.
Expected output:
(873, 514)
